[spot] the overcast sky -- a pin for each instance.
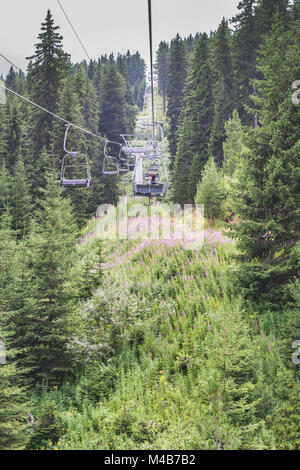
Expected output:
(105, 26)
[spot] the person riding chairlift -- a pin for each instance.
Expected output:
(152, 177)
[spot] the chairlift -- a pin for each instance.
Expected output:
(75, 168)
(149, 140)
(110, 163)
(143, 188)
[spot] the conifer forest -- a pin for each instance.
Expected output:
(145, 343)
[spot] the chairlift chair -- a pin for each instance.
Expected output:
(110, 163)
(143, 188)
(75, 168)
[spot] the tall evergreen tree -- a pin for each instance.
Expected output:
(264, 14)
(267, 198)
(224, 90)
(49, 65)
(245, 44)
(195, 126)
(112, 104)
(177, 77)
(162, 65)
(52, 244)
(234, 146)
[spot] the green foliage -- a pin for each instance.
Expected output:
(13, 416)
(143, 344)
(195, 126)
(48, 66)
(266, 195)
(177, 75)
(162, 65)
(245, 43)
(51, 254)
(286, 426)
(223, 90)
(234, 146)
(211, 191)
(47, 427)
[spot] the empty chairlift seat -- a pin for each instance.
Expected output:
(75, 168)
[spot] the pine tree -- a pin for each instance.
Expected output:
(162, 65)
(245, 43)
(194, 129)
(267, 194)
(130, 110)
(223, 90)
(90, 275)
(92, 147)
(264, 14)
(49, 65)
(136, 71)
(234, 146)
(12, 409)
(11, 79)
(210, 190)
(177, 77)
(112, 104)
(52, 246)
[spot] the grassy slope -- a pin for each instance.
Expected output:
(174, 358)
(182, 367)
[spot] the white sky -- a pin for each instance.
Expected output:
(105, 26)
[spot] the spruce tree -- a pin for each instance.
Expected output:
(195, 126)
(13, 417)
(224, 90)
(177, 77)
(211, 191)
(49, 65)
(264, 15)
(245, 43)
(162, 65)
(11, 79)
(234, 145)
(52, 246)
(267, 196)
(112, 104)
(130, 110)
